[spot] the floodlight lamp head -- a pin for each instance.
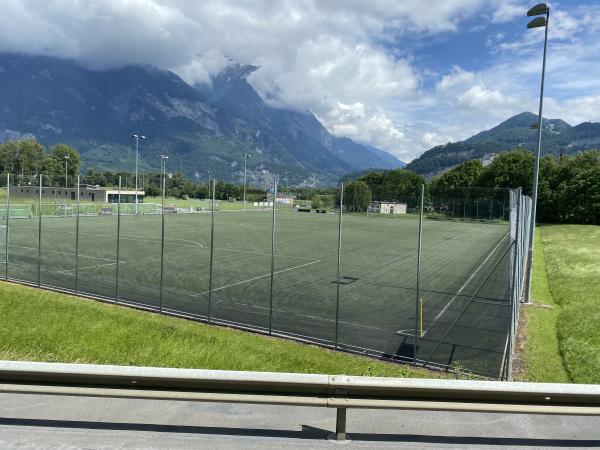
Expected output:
(537, 22)
(538, 10)
(534, 126)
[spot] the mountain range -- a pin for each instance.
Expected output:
(206, 127)
(516, 132)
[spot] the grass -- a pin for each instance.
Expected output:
(543, 361)
(51, 327)
(573, 266)
(378, 274)
(221, 205)
(563, 342)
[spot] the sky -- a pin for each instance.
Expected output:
(400, 75)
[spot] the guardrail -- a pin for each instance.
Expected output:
(332, 391)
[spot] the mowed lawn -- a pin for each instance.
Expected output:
(569, 332)
(39, 325)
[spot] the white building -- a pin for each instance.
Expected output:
(387, 208)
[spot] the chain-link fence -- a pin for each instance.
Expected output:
(430, 278)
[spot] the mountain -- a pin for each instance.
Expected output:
(201, 128)
(512, 133)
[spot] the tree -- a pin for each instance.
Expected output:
(357, 196)
(395, 185)
(510, 170)
(59, 157)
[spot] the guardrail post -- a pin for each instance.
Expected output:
(340, 424)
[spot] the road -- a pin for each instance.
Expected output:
(39, 422)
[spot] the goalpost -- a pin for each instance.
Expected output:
(16, 211)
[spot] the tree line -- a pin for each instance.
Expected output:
(569, 186)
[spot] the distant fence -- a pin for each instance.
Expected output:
(428, 278)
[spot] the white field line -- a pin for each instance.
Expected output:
(61, 253)
(261, 253)
(89, 267)
(445, 308)
(262, 276)
(196, 243)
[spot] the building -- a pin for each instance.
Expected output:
(282, 198)
(387, 208)
(87, 193)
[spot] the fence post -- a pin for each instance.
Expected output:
(39, 282)
(212, 247)
(418, 297)
(272, 257)
(77, 241)
(118, 242)
(514, 291)
(6, 230)
(163, 182)
(339, 267)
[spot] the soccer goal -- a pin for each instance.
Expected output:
(16, 211)
(142, 208)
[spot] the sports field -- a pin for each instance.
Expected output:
(464, 278)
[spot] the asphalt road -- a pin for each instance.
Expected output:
(39, 422)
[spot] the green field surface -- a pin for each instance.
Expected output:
(572, 256)
(465, 276)
(45, 326)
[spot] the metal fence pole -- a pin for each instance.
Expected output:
(418, 297)
(6, 231)
(212, 247)
(39, 281)
(339, 267)
(514, 293)
(162, 231)
(118, 243)
(77, 241)
(272, 257)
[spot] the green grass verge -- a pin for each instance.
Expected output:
(40, 325)
(542, 359)
(573, 264)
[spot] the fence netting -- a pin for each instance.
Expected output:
(430, 277)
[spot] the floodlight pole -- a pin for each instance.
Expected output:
(534, 195)
(245, 156)
(66, 171)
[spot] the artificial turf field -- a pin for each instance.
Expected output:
(464, 276)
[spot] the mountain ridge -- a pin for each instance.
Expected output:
(202, 128)
(514, 132)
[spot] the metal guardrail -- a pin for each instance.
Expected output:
(332, 391)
